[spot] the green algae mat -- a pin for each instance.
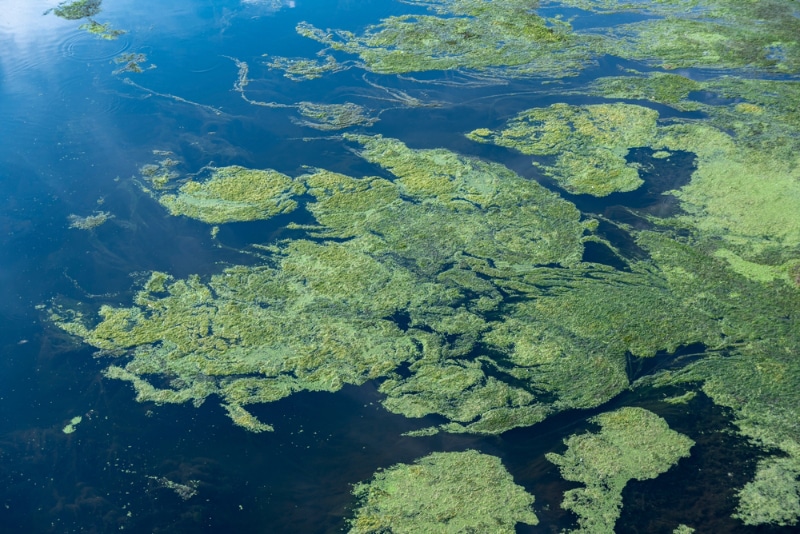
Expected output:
(462, 279)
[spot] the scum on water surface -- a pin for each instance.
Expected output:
(460, 285)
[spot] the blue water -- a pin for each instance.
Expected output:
(73, 138)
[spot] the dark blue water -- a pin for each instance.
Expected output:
(73, 138)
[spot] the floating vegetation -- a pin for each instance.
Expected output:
(234, 194)
(104, 31)
(590, 143)
(632, 444)
(465, 290)
(131, 62)
(72, 425)
(184, 491)
(443, 492)
(334, 116)
(90, 222)
(86, 9)
(76, 10)
(300, 69)
(469, 34)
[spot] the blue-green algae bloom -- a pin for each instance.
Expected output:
(446, 492)
(77, 9)
(468, 34)
(104, 31)
(632, 444)
(588, 144)
(233, 194)
(86, 9)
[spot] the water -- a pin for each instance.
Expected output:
(74, 136)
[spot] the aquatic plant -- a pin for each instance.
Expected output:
(104, 31)
(77, 9)
(334, 116)
(468, 34)
(234, 194)
(632, 444)
(89, 222)
(590, 143)
(443, 492)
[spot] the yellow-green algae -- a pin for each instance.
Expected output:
(757, 376)
(744, 194)
(78, 9)
(234, 194)
(589, 143)
(86, 9)
(446, 492)
(458, 269)
(632, 444)
(462, 34)
(716, 34)
(425, 246)
(299, 69)
(89, 222)
(72, 425)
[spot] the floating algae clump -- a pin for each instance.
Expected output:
(407, 279)
(72, 425)
(334, 116)
(443, 492)
(79, 9)
(632, 444)
(412, 272)
(89, 222)
(716, 34)
(757, 376)
(235, 194)
(467, 34)
(86, 9)
(589, 143)
(104, 31)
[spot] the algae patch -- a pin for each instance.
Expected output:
(589, 143)
(86, 9)
(72, 425)
(234, 194)
(469, 34)
(443, 492)
(632, 444)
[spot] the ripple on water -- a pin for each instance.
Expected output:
(80, 45)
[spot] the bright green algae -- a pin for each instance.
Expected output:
(443, 492)
(716, 34)
(234, 194)
(632, 444)
(745, 186)
(589, 143)
(86, 9)
(321, 314)
(78, 9)
(462, 34)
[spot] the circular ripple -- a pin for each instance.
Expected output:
(80, 45)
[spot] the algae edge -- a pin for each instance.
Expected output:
(632, 444)
(444, 492)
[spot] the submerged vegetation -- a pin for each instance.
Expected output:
(89, 222)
